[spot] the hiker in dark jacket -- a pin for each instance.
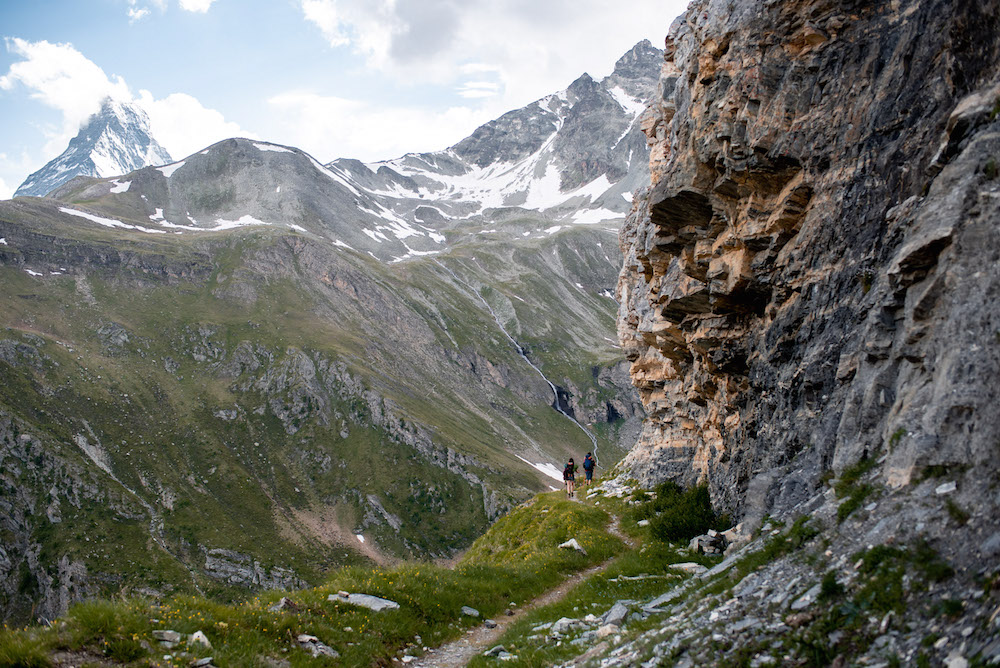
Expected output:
(588, 468)
(569, 477)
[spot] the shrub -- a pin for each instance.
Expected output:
(676, 514)
(829, 587)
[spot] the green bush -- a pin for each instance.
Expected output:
(830, 589)
(676, 514)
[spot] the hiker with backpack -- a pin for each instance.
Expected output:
(569, 477)
(588, 468)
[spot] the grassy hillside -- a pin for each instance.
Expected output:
(242, 404)
(515, 560)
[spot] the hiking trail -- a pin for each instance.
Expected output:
(460, 651)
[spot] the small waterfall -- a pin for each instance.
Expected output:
(524, 356)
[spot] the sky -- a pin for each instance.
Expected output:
(366, 79)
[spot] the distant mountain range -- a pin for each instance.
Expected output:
(116, 140)
(249, 366)
(574, 156)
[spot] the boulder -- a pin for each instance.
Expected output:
(471, 612)
(565, 624)
(572, 544)
(366, 601)
(710, 543)
(167, 636)
(284, 604)
(199, 638)
(807, 599)
(313, 645)
(607, 630)
(616, 615)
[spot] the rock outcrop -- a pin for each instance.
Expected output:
(811, 278)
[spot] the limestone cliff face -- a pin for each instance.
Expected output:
(812, 276)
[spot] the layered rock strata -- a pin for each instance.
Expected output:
(812, 276)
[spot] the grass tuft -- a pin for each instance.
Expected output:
(23, 649)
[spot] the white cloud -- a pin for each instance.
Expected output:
(137, 12)
(473, 89)
(182, 125)
(6, 192)
(532, 48)
(60, 77)
(332, 127)
(324, 14)
(196, 5)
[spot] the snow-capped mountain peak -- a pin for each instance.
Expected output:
(114, 141)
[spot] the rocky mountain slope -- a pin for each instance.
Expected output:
(254, 366)
(809, 309)
(116, 140)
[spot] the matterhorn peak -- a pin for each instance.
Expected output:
(114, 141)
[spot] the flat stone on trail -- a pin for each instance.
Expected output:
(471, 612)
(661, 600)
(366, 601)
(490, 624)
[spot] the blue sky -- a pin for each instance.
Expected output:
(368, 79)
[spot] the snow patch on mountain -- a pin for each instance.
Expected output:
(272, 147)
(108, 222)
(242, 221)
(631, 105)
(168, 170)
(551, 470)
(119, 187)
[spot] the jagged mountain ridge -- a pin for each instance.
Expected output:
(571, 158)
(116, 140)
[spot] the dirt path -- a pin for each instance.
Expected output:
(458, 653)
